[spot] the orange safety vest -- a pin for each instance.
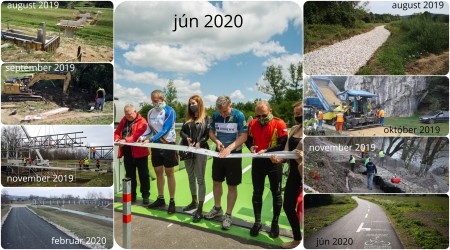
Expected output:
(340, 117)
(377, 114)
(363, 148)
(320, 115)
(381, 115)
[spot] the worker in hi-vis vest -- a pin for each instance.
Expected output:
(381, 116)
(339, 122)
(381, 156)
(363, 150)
(352, 163)
(320, 118)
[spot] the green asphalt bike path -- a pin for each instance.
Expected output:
(243, 209)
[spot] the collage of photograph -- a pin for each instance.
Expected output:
(224, 124)
(56, 134)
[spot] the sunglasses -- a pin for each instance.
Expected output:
(261, 116)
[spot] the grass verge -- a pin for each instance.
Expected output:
(5, 209)
(317, 218)
(410, 40)
(100, 34)
(80, 225)
(421, 222)
(412, 122)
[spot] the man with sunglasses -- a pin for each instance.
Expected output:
(266, 133)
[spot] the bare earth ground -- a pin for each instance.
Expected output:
(67, 52)
(70, 117)
(430, 65)
(378, 131)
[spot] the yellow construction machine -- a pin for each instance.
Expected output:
(19, 89)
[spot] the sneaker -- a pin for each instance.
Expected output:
(274, 230)
(196, 218)
(158, 203)
(145, 201)
(192, 205)
(171, 208)
(254, 231)
(226, 222)
(213, 213)
(289, 245)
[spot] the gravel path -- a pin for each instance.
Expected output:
(345, 57)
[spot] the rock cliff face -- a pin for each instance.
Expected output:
(399, 96)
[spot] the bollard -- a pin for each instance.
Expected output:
(126, 217)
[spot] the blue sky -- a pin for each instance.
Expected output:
(96, 135)
(210, 62)
(107, 192)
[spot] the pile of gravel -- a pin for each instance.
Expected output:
(345, 57)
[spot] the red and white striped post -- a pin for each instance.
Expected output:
(126, 217)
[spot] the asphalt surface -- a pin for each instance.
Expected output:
(365, 227)
(153, 233)
(23, 229)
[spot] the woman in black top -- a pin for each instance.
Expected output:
(194, 133)
(294, 181)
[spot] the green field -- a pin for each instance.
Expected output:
(243, 209)
(318, 35)
(100, 34)
(319, 217)
(83, 178)
(410, 40)
(412, 122)
(420, 221)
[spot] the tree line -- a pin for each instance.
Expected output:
(424, 150)
(349, 14)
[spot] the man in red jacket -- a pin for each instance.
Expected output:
(129, 129)
(266, 133)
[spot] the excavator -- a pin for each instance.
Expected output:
(19, 89)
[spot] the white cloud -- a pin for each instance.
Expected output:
(197, 49)
(125, 96)
(185, 88)
(284, 60)
(237, 94)
(123, 45)
(265, 49)
(251, 89)
(239, 63)
(210, 100)
(169, 58)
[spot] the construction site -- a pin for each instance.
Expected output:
(49, 218)
(80, 32)
(67, 96)
(56, 157)
(407, 164)
(403, 101)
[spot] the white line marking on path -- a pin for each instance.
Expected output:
(211, 195)
(360, 228)
(366, 215)
(170, 224)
